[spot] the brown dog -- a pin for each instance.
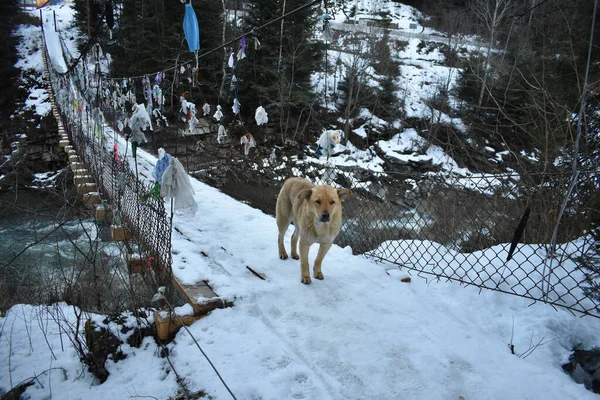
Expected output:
(317, 215)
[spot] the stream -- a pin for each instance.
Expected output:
(49, 253)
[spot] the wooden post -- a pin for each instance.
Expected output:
(168, 324)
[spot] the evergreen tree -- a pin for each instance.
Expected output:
(386, 103)
(354, 90)
(8, 12)
(211, 19)
(93, 24)
(278, 74)
(589, 264)
(149, 38)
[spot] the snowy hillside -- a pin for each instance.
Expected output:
(422, 74)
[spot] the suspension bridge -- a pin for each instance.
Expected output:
(117, 185)
(109, 173)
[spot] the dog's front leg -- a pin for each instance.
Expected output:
(323, 249)
(304, 270)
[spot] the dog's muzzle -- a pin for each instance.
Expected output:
(325, 217)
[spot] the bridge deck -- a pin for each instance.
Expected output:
(201, 296)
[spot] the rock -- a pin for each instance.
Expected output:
(101, 345)
(584, 367)
(17, 391)
(136, 338)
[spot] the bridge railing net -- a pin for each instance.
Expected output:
(144, 216)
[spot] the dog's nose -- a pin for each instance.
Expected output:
(325, 216)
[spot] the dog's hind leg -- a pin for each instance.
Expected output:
(323, 249)
(295, 243)
(282, 225)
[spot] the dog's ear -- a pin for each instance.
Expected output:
(305, 194)
(343, 193)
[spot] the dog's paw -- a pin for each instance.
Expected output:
(283, 256)
(305, 280)
(319, 275)
(295, 256)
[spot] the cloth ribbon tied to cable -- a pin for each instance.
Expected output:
(157, 94)
(189, 109)
(164, 159)
(206, 109)
(327, 142)
(139, 121)
(97, 122)
(242, 53)
(190, 28)
(218, 114)
(236, 106)
(176, 185)
(159, 169)
(327, 35)
(154, 192)
(147, 90)
(248, 142)
(222, 133)
(261, 116)
(116, 154)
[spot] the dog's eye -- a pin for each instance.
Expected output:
(332, 202)
(318, 201)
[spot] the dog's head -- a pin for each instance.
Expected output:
(324, 201)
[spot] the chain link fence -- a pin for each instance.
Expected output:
(144, 215)
(444, 226)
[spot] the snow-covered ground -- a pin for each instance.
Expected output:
(359, 334)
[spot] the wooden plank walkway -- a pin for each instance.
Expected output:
(201, 296)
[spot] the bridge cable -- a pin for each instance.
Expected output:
(253, 30)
